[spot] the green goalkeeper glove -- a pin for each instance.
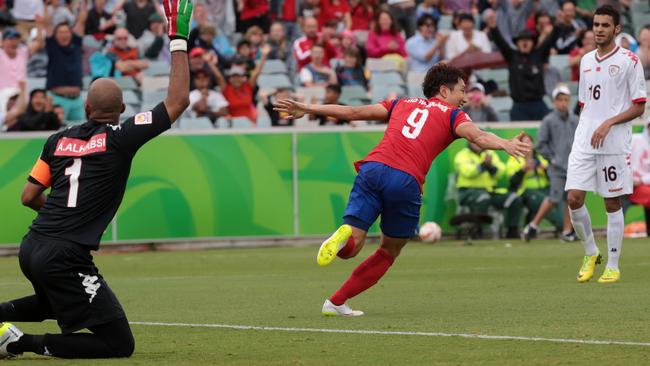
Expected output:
(178, 14)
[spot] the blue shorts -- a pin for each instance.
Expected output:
(380, 189)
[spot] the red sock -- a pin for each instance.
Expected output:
(348, 249)
(364, 276)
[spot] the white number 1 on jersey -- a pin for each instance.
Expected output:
(421, 115)
(73, 171)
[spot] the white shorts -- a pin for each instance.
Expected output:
(607, 175)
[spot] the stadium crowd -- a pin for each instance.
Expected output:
(247, 54)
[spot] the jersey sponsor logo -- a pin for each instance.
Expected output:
(614, 69)
(615, 189)
(90, 285)
(67, 146)
(143, 118)
(586, 70)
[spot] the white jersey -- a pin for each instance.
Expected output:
(608, 87)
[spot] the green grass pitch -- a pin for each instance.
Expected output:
(489, 288)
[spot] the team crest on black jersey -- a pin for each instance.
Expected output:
(143, 118)
(614, 69)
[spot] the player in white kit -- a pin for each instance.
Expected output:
(612, 92)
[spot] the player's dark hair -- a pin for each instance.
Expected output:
(336, 88)
(465, 16)
(609, 10)
(424, 19)
(439, 75)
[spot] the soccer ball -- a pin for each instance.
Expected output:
(430, 232)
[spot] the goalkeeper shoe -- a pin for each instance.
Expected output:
(329, 309)
(610, 275)
(588, 265)
(331, 246)
(8, 334)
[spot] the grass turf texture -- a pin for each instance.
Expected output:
(489, 288)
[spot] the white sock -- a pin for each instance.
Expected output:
(582, 225)
(532, 225)
(615, 227)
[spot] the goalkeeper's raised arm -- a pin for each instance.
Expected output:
(178, 14)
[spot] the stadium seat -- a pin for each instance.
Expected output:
(273, 81)
(157, 68)
(131, 97)
(309, 93)
(415, 90)
(349, 93)
(378, 79)
(274, 67)
(241, 122)
(155, 96)
(561, 63)
(150, 83)
(381, 93)
(502, 105)
(380, 64)
(91, 42)
(413, 77)
(196, 124)
(35, 83)
(499, 76)
(126, 83)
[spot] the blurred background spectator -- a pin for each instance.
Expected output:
(478, 107)
(204, 100)
(586, 43)
(278, 119)
(478, 172)
(466, 39)
(39, 115)
(351, 72)
(65, 69)
(100, 22)
(14, 56)
(302, 45)
(526, 72)
(528, 178)
(332, 96)
(555, 139)
(127, 59)
(362, 14)
(153, 45)
(425, 48)
(12, 105)
(316, 73)
(403, 12)
(253, 13)
(385, 39)
(644, 50)
(640, 160)
(25, 15)
(137, 15)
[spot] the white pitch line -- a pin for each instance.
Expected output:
(381, 332)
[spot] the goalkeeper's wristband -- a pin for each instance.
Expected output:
(178, 44)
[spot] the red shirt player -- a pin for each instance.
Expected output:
(391, 176)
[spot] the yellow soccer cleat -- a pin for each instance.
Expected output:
(588, 265)
(330, 247)
(610, 275)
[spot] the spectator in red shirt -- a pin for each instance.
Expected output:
(253, 12)
(336, 10)
(238, 91)
(362, 14)
(302, 45)
(385, 38)
(587, 43)
(127, 59)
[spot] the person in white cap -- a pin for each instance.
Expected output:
(612, 92)
(554, 140)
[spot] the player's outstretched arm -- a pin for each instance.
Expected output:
(487, 140)
(178, 14)
(295, 110)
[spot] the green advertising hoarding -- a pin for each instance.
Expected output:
(237, 184)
